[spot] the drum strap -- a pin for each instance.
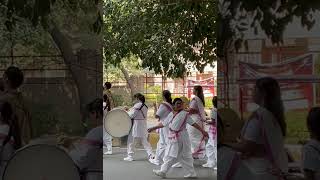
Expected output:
(140, 109)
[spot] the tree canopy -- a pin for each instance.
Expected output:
(271, 17)
(40, 11)
(168, 36)
(73, 26)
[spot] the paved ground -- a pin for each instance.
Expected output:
(114, 168)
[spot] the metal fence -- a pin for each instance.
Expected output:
(152, 85)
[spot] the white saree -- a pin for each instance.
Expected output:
(262, 128)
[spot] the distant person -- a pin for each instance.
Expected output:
(260, 152)
(10, 138)
(92, 142)
(107, 138)
(178, 148)
(108, 106)
(12, 79)
(196, 109)
(109, 99)
(311, 151)
(138, 113)
(211, 147)
(162, 113)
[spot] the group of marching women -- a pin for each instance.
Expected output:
(182, 133)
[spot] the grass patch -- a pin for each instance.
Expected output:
(297, 132)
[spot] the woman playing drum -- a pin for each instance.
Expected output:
(139, 114)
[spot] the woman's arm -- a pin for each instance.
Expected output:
(158, 126)
(205, 134)
(245, 146)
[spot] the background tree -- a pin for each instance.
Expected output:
(78, 41)
(124, 72)
(168, 36)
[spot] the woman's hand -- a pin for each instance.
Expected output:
(151, 129)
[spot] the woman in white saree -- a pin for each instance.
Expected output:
(196, 109)
(162, 113)
(259, 153)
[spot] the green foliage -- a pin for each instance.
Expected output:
(38, 12)
(296, 127)
(120, 100)
(271, 17)
(163, 34)
(112, 73)
(297, 132)
(208, 102)
(30, 38)
(154, 94)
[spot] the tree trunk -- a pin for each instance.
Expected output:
(129, 81)
(85, 67)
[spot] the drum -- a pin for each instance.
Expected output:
(41, 162)
(117, 123)
(232, 124)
